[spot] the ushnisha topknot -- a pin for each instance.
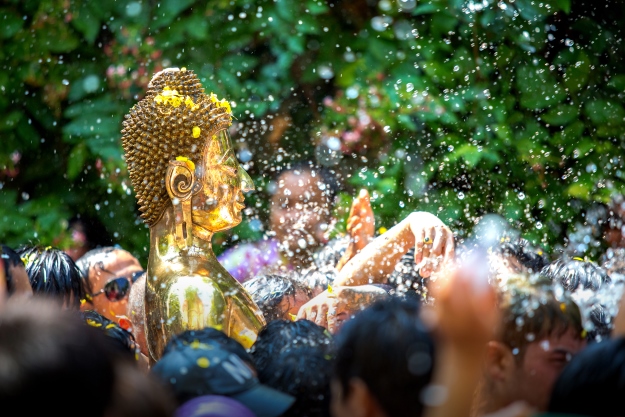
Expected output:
(175, 119)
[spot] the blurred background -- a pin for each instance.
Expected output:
(460, 108)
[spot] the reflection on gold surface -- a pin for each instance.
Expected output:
(189, 185)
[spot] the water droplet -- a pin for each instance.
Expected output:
(380, 23)
(133, 9)
(387, 129)
(409, 87)
(65, 82)
(456, 68)
(325, 72)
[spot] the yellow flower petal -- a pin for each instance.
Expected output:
(203, 362)
(196, 131)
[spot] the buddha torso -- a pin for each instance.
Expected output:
(189, 289)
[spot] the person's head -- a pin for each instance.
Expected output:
(207, 362)
(15, 273)
(48, 354)
(135, 312)
(301, 206)
(122, 340)
(296, 357)
(186, 160)
(278, 296)
(516, 256)
(406, 281)
(593, 383)
(576, 274)
(110, 271)
(384, 362)
(213, 406)
(538, 336)
(52, 273)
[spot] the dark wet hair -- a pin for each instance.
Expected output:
(269, 290)
(296, 357)
(121, 339)
(11, 259)
(54, 274)
(405, 280)
(530, 311)
(206, 335)
(85, 261)
(50, 353)
(574, 274)
(391, 351)
(532, 259)
(592, 384)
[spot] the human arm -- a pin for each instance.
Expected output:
(360, 227)
(337, 304)
(378, 259)
(464, 318)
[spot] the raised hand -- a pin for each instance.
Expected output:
(360, 227)
(334, 306)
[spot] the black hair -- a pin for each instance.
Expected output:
(49, 353)
(121, 339)
(269, 290)
(11, 259)
(53, 273)
(207, 335)
(576, 274)
(85, 261)
(296, 357)
(389, 349)
(593, 383)
(406, 281)
(531, 258)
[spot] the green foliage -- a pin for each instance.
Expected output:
(456, 107)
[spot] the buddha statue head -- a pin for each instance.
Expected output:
(180, 155)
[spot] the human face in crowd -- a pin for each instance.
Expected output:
(103, 269)
(300, 210)
(532, 379)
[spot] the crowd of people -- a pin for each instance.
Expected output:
(406, 323)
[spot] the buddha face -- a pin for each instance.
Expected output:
(217, 205)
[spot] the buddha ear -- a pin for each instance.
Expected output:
(180, 182)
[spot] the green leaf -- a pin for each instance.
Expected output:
(605, 111)
(76, 160)
(427, 8)
(9, 121)
(87, 22)
(538, 88)
(316, 7)
(561, 115)
(564, 5)
(11, 23)
(617, 82)
(577, 73)
(577, 190)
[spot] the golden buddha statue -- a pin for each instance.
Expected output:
(189, 185)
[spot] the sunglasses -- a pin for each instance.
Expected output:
(117, 288)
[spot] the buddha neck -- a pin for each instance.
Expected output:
(163, 247)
